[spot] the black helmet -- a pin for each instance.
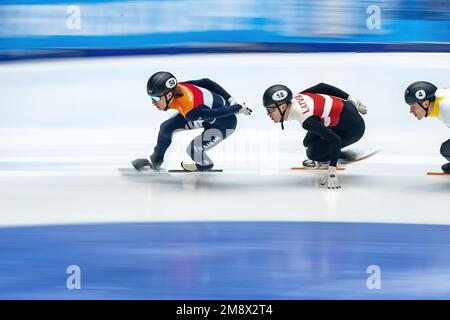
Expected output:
(420, 91)
(160, 83)
(276, 94)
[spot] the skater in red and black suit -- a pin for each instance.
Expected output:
(331, 117)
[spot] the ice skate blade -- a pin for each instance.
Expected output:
(183, 171)
(438, 174)
(364, 157)
(134, 172)
(314, 169)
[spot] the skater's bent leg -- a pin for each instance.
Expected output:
(351, 134)
(351, 127)
(166, 131)
(445, 149)
(310, 138)
(445, 152)
(213, 134)
(319, 151)
(202, 143)
(348, 138)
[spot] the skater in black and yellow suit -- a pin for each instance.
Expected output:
(426, 100)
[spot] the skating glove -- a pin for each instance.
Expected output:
(244, 110)
(358, 104)
(330, 179)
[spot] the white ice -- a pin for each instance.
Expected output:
(68, 126)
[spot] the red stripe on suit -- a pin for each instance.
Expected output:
(197, 93)
(336, 109)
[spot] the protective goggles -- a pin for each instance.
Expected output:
(272, 108)
(155, 98)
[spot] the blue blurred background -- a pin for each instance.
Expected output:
(31, 28)
(69, 128)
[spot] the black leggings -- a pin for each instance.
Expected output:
(445, 149)
(214, 132)
(350, 129)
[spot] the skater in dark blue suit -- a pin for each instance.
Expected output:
(201, 104)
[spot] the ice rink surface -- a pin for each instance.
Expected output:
(69, 128)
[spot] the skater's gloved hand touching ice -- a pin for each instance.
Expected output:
(358, 104)
(330, 179)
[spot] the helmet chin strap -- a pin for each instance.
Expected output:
(168, 101)
(282, 116)
(425, 109)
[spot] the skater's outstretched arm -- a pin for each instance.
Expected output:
(327, 89)
(210, 85)
(314, 125)
(205, 113)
